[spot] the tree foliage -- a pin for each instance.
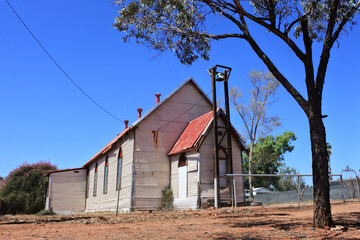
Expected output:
(268, 158)
(164, 25)
(24, 189)
(180, 26)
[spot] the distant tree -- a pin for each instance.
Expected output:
(289, 183)
(268, 156)
(180, 27)
(351, 186)
(23, 190)
(2, 182)
(329, 152)
(254, 114)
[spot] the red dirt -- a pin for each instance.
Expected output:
(283, 221)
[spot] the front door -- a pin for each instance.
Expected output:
(182, 181)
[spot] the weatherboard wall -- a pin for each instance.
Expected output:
(192, 180)
(155, 135)
(107, 201)
(67, 191)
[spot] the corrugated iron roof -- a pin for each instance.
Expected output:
(190, 137)
(192, 133)
(65, 170)
(107, 147)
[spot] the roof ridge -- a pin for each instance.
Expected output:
(108, 146)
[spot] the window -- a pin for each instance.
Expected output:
(119, 168)
(95, 179)
(106, 174)
(223, 168)
(182, 160)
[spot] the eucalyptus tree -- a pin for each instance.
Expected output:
(254, 115)
(268, 158)
(180, 26)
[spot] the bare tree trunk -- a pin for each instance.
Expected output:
(302, 193)
(322, 209)
(250, 170)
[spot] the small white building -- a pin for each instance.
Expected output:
(171, 144)
(257, 191)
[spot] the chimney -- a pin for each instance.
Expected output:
(157, 97)
(126, 124)
(139, 111)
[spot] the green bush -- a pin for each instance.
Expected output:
(46, 212)
(167, 201)
(24, 189)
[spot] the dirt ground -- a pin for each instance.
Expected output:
(270, 222)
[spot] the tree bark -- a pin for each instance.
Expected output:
(322, 209)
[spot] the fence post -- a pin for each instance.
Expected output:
(342, 189)
(298, 190)
(233, 195)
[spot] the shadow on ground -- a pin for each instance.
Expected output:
(349, 220)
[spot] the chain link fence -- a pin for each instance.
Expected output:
(340, 189)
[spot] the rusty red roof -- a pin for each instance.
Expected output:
(190, 137)
(107, 147)
(192, 133)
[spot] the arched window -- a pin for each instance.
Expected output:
(119, 169)
(95, 179)
(106, 174)
(182, 160)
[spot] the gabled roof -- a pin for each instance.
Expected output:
(191, 80)
(107, 147)
(191, 137)
(119, 136)
(192, 133)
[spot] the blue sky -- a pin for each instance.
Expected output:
(45, 118)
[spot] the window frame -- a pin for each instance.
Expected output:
(106, 175)
(119, 169)
(95, 179)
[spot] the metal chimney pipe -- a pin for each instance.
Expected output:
(157, 97)
(139, 111)
(126, 124)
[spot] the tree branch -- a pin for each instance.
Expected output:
(327, 45)
(260, 111)
(207, 35)
(309, 68)
(272, 29)
(348, 15)
(287, 85)
(219, 10)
